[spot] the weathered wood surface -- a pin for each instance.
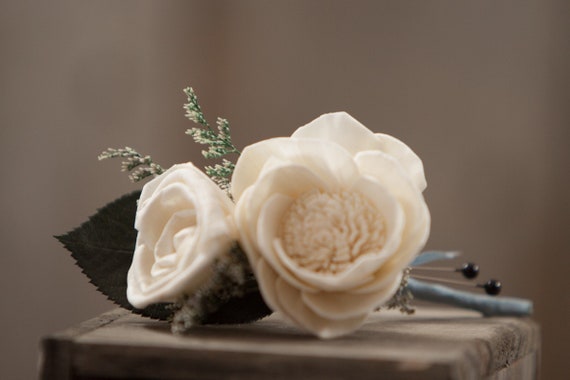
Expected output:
(433, 344)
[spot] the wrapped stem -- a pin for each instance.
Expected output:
(488, 306)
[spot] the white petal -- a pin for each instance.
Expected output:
(246, 226)
(176, 232)
(266, 278)
(409, 249)
(342, 129)
(342, 305)
(292, 306)
(416, 240)
(386, 279)
(144, 289)
(291, 180)
(387, 171)
(250, 163)
(267, 231)
(325, 159)
(406, 157)
(387, 292)
(382, 279)
(387, 204)
(151, 218)
(139, 275)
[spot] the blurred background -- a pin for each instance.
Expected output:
(479, 89)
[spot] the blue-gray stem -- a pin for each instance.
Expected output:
(485, 304)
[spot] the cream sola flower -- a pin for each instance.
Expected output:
(329, 218)
(184, 223)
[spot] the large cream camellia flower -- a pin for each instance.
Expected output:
(329, 218)
(184, 223)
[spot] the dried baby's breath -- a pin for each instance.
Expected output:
(219, 141)
(139, 166)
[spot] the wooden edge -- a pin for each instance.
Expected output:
(152, 363)
(517, 340)
(525, 368)
(514, 348)
(512, 341)
(55, 350)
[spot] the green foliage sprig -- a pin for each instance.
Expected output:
(220, 141)
(140, 166)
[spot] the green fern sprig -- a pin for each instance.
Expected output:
(193, 109)
(140, 166)
(219, 141)
(221, 174)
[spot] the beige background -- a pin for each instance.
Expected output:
(479, 89)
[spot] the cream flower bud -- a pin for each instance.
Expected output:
(184, 223)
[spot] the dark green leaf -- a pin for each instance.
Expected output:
(103, 248)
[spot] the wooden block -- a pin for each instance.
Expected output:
(432, 344)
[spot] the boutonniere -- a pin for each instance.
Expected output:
(324, 226)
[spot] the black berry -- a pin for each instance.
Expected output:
(470, 270)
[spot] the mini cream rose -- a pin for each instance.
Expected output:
(329, 218)
(184, 223)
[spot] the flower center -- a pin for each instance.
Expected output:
(327, 232)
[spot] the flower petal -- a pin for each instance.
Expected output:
(382, 279)
(386, 170)
(410, 161)
(325, 159)
(292, 306)
(342, 129)
(410, 247)
(176, 233)
(268, 228)
(343, 305)
(244, 223)
(153, 213)
(266, 278)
